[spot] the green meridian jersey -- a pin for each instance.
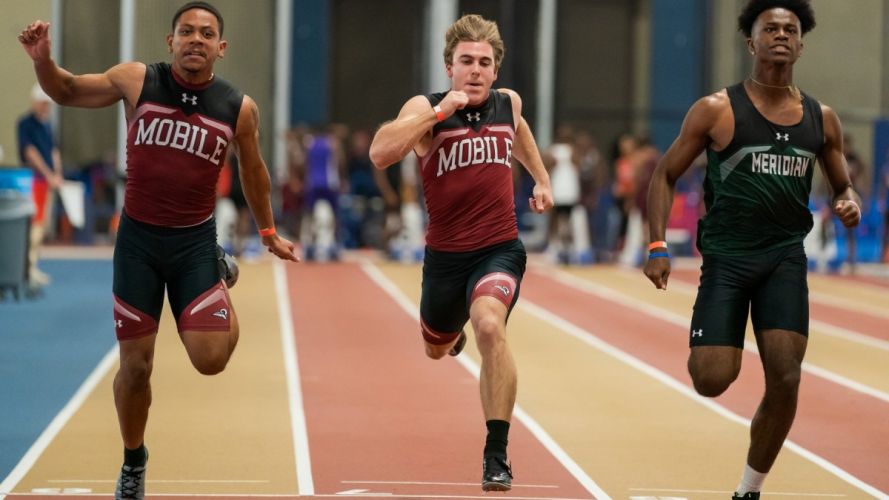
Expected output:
(756, 190)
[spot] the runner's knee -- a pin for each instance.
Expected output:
(435, 351)
(210, 363)
(437, 342)
(489, 332)
(711, 382)
(713, 368)
(135, 373)
(783, 385)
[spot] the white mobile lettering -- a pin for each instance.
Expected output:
(179, 135)
(473, 151)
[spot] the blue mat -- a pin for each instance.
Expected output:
(48, 346)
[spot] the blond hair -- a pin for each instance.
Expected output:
(473, 28)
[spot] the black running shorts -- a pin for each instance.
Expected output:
(771, 285)
(148, 258)
(449, 279)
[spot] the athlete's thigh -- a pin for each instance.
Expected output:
(722, 303)
(198, 297)
(499, 274)
(781, 302)
(443, 307)
(138, 283)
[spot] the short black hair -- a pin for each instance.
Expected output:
(198, 5)
(754, 8)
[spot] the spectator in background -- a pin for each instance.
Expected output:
(593, 178)
(294, 183)
(232, 212)
(884, 188)
(38, 151)
(645, 160)
(857, 170)
(363, 191)
(624, 187)
(389, 182)
(324, 181)
(359, 166)
(564, 175)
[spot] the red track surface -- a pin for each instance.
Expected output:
(845, 427)
(383, 411)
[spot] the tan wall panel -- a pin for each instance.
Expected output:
(88, 135)
(18, 73)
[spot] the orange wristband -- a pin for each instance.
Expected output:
(269, 231)
(439, 114)
(657, 244)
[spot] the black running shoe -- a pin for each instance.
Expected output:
(496, 474)
(750, 495)
(458, 346)
(131, 483)
(228, 267)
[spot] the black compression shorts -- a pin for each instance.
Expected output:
(149, 258)
(449, 279)
(771, 285)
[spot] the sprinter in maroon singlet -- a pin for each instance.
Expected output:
(466, 139)
(181, 119)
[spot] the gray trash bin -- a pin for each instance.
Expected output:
(16, 209)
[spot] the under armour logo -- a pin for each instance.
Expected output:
(782, 137)
(118, 323)
(697, 333)
(193, 99)
(474, 117)
(222, 313)
(503, 289)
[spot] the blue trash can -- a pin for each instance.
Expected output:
(16, 210)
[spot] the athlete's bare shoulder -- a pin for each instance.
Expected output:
(516, 101)
(715, 103)
(833, 129)
(128, 77)
(711, 117)
(414, 106)
(248, 117)
(511, 93)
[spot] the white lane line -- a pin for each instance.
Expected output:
(597, 343)
(857, 306)
(434, 483)
(306, 485)
(55, 426)
(545, 439)
(650, 309)
(726, 493)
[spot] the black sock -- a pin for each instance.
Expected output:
(135, 458)
(495, 444)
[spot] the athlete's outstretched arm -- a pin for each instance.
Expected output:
(255, 179)
(846, 203)
(122, 81)
(694, 136)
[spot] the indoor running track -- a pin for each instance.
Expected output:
(329, 395)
